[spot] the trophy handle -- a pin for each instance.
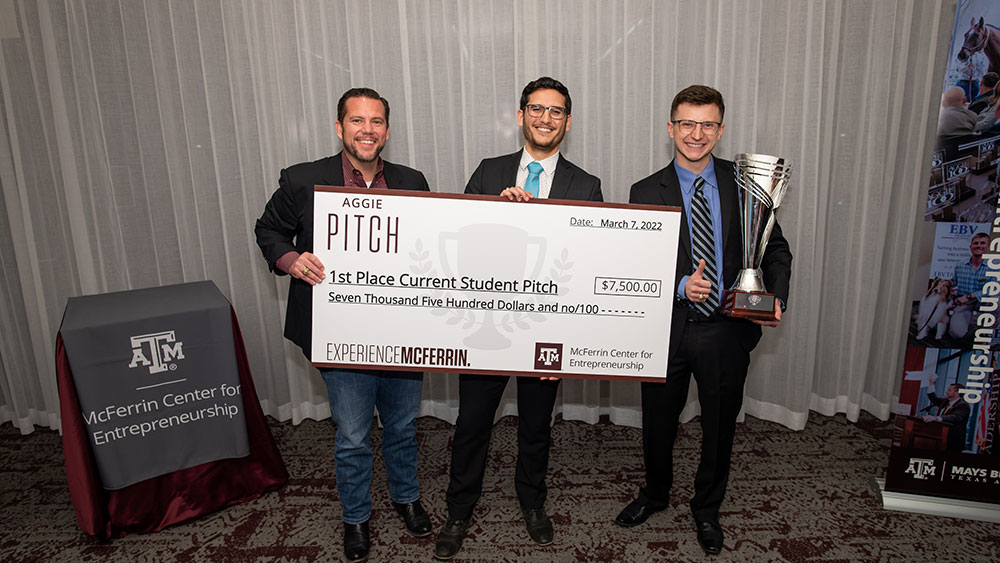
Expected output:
(445, 259)
(541, 243)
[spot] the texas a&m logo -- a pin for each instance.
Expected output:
(159, 351)
(920, 468)
(548, 356)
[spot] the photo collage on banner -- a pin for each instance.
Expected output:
(944, 440)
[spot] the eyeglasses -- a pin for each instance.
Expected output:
(555, 112)
(687, 126)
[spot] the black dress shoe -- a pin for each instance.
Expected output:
(357, 542)
(449, 540)
(710, 536)
(418, 524)
(538, 524)
(637, 512)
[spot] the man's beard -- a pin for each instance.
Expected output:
(543, 144)
(350, 148)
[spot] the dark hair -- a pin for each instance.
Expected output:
(990, 79)
(979, 235)
(546, 83)
(360, 93)
(957, 386)
(699, 96)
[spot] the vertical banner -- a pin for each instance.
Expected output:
(945, 441)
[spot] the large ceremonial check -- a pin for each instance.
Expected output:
(476, 284)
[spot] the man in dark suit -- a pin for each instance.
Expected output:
(714, 348)
(951, 409)
(537, 171)
(986, 88)
(285, 236)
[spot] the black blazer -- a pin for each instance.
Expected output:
(570, 181)
(957, 416)
(663, 188)
(287, 224)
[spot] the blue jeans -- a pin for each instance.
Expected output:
(353, 397)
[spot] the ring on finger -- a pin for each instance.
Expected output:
(305, 271)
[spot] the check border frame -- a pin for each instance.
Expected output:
(481, 197)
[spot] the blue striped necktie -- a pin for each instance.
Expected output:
(703, 245)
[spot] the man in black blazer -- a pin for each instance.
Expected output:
(285, 236)
(539, 170)
(714, 348)
(951, 409)
(986, 87)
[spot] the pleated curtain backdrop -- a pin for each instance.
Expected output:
(139, 141)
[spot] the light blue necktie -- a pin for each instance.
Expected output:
(531, 184)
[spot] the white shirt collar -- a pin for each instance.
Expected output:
(548, 165)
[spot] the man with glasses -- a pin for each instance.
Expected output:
(536, 171)
(714, 348)
(285, 236)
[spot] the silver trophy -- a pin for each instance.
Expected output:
(762, 182)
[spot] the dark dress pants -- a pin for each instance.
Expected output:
(479, 396)
(717, 353)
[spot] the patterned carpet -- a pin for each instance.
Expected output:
(795, 496)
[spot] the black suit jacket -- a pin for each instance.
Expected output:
(981, 102)
(663, 188)
(570, 181)
(957, 416)
(287, 224)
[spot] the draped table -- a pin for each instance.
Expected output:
(215, 464)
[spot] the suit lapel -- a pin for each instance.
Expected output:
(510, 170)
(392, 179)
(728, 201)
(671, 194)
(331, 174)
(561, 180)
(333, 171)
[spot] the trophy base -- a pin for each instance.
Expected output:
(748, 305)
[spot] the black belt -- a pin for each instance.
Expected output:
(694, 316)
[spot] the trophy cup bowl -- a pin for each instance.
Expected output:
(485, 251)
(762, 182)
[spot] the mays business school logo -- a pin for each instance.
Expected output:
(548, 356)
(921, 468)
(158, 351)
